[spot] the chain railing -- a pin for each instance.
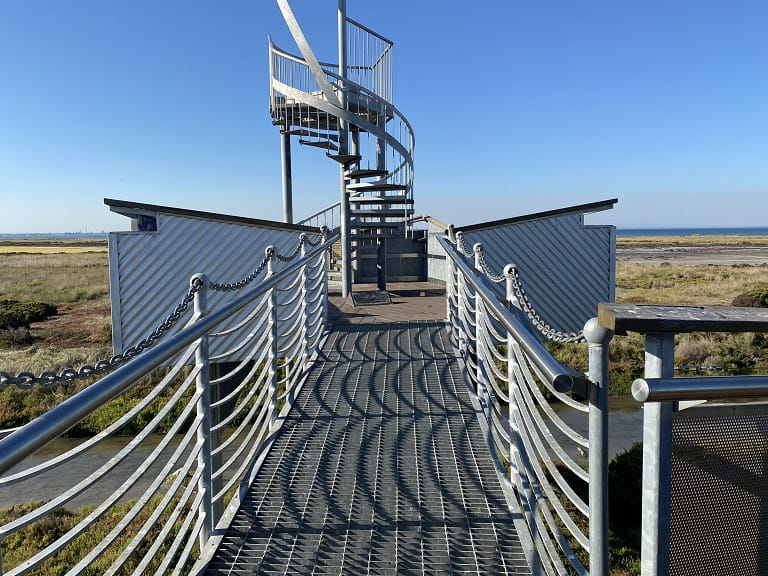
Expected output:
(177, 434)
(516, 292)
(561, 497)
(49, 377)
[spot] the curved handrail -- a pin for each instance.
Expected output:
(560, 376)
(348, 86)
(27, 439)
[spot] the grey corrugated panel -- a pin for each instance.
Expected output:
(380, 468)
(566, 268)
(151, 270)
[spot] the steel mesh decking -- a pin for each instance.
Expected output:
(380, 468)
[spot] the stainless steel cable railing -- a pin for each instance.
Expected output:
(189, 427)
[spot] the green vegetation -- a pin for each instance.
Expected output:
(33, 538)
(15, 314)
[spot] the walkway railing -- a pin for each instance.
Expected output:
(561, 498)
(189, 428)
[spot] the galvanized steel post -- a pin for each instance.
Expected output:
(478, 317)
(285, 156)
(272, 340)
(325, 264)
(304, 308)
(203, 389)
(511, 295)
(598, 338)
(657, 459)
(346, 241)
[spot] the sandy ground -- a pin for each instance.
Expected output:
(696, 255)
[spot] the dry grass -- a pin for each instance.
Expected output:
(61, 278)
(22, 249)
(695, 285)
(694, 240)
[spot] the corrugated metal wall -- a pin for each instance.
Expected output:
(150, 271)
(566, 268)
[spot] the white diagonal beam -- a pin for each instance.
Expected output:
(306, 52)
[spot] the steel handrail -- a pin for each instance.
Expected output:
(27, 439)
(699, 388)
(560, 376)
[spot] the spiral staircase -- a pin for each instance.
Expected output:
(345, 110)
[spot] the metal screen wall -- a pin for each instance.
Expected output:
(719, 498)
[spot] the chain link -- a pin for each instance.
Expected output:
(48, 378)
(28, 379)
(537, 321)
(487, 270)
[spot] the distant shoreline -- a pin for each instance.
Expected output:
(620, 232)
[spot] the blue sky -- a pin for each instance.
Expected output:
(518, 106)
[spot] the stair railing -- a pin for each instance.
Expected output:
(558, 490)
(193, 427)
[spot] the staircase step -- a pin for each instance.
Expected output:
(375, 186)
(320, 144)
(345, 159)
(383, 213)
(311, 134)
(357, 200)
(372, 225)
(364, 173)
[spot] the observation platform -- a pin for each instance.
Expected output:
(381, 467)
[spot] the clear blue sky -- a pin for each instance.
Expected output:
(518, 106)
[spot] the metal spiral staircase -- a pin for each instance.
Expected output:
(345, 109)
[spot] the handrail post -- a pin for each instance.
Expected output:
(657, 459)
(598, 338)
(478, 322)
(304, 307)
(325, 263)
(203, 389)
(450, 290)
(509, 274)
(272, 357)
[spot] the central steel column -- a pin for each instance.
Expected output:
(285, 155)
(346, 244)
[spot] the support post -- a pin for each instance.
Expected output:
(203, 389)
(272, 341)
(285, 155)
(304, 308)
(346, 243)
(657, 459)
(381, 263)
(598, 338)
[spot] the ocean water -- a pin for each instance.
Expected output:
(758, 231)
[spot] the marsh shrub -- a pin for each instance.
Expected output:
(757, 298)
(15, 314)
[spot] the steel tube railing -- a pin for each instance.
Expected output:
(26, 440)
(699, 388)
(534, 449)
(218, 450)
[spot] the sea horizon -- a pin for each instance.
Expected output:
(678, 231)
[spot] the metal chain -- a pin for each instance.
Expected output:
(48, 378)
(536, 319)
(487, 270)
(460, 245)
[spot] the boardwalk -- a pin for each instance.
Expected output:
(380, 468)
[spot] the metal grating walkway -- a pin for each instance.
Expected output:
(380, 468)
